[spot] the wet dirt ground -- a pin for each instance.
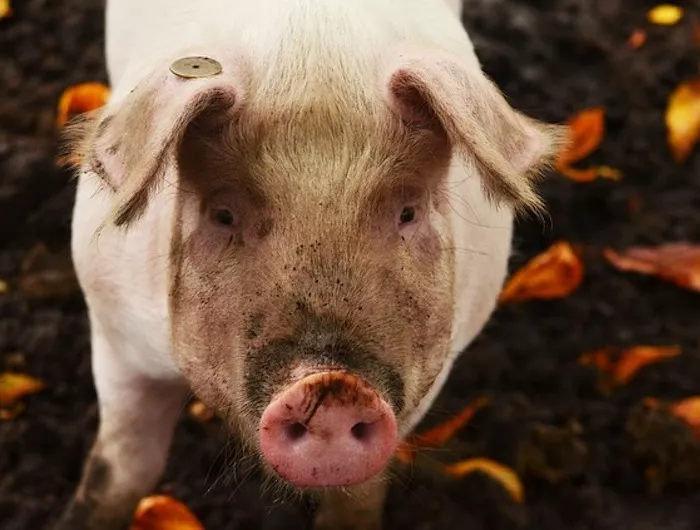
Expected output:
(583, 456)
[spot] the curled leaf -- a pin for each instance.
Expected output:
(688, 410)
(665, 14)
(14, 386)
(440, 434)
(555, 273)
(162, 512)
(586, 129)
(80, 98)
(5, 9)
(683, 119)
(620, 370)
(502, 474)
(637, 39)
(678, 262)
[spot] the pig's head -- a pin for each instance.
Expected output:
(312, 264)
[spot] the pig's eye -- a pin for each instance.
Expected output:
(407, 215)
(223, 216)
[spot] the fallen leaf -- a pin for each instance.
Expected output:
(586, 132)
(3, 287)
(80, 98)
(665, 14)
(200, 412)
(555, 273)
(696, 33)
(678, 262)
(440, 434)
(683, 119)
(591, 173)
(162, 512)
(637, 39)
(5, 9)
(11, 412)
(502, 474)
(620, 370)
(688, 410)
(14, 386)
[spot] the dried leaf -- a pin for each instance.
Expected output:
(200, 412)
(3, 287)
(505, 475)
(5, 9)
(665, 14)
(586, 129)
(11, 412)
(440, 434)
(620, 371)
(555, 273)
(14, 386)
(683, 119)
(162, 512)
(678, 262)
(590, 174)
(637, 39)
(80, 98)
(688, 410)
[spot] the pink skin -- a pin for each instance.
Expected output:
(328, 429)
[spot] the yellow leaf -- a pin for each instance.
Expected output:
(162, 512)
(80, 98)
(14, 386)
(200, 412)
(502, 474)
(3, 287)
(665, 14)
(555, 273)
(5, 9)
(683, 119)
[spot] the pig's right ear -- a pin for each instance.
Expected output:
(132, 144)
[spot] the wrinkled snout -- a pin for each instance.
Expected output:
(329, 429)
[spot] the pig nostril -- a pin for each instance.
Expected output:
(295, 431)
(362, 431)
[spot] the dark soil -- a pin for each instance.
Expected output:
(582, 455)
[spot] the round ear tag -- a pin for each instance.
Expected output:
(191, 67)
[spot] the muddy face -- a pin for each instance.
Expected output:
(310, 244)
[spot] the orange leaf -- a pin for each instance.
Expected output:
(635, 358)
(162, 512)
(637, 39)
(14, 386)
(683, 119)
(665, 15)
(628, 363)
(555, 273)
(81, 98)
(586, 132)
(590, 174)
(505, 475)
(440, 434)
(5, 9)
(688, 410)
(678, 262)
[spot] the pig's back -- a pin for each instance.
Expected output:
(142, 34)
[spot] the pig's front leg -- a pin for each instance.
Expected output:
(137, 418)
(356, 508)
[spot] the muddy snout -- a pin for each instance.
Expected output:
(328, 429)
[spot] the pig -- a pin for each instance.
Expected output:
(301, 212)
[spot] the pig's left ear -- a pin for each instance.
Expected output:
(131, 144)
(510, 150)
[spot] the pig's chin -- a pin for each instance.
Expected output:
(329, 429)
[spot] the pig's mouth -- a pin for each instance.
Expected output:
(328, 429)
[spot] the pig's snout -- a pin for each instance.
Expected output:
(329, 429)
